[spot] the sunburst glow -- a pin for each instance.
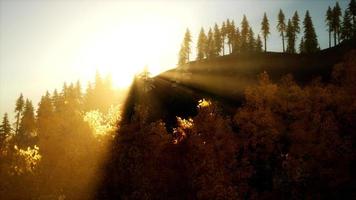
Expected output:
(149, 38)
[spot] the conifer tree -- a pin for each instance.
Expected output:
(27, 125)
(210, 50)
(223, 36)
(290, 34)
(227, 30)
(265, 29)
(329, 22)
(310, 39)
(185, 48)
(231, 35)
(346, 29)
(281, 26)
(352, 9)
(20, 104)
(201, 45)
(217, 40)
(336, 22)
(251, 41)
(259, 46)
(244, 33)
(301, 45)
(5, 130)
(237, 41)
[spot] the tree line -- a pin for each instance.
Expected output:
(231, 39)
(65, 135)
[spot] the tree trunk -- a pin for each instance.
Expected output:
(334, 38)
(329, 38)
(265, 44)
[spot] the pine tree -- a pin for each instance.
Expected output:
(237, 42)
(185, 48)
(301, 46)
(290, 34)
(201, 45)
(352, 9)
(5, 130)
(223, 36)
(251, 41)
(259, 46)
(336, 23)
(45, 113)
(210, 49)
(310, 38)
(244, 33)
(231, 35)
(20, 104)
(227, 30)
(217, 40)
(281, 26)
(265, 29)
(329, 22)
(346, 30)
(27, 125)
(296, 27)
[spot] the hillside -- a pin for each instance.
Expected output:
(177, 91)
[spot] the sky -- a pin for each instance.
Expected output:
(46, 43)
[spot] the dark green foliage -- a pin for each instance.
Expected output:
(310, 43)
(346, 30)
(5, 130)
(291, 37)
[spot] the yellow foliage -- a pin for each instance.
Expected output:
(102, 123)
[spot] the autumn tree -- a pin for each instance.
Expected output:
(281, 26)
(185, 49)
(329, 22)
(265, 30)
(310, 38)
(201, 45)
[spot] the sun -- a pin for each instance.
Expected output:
(124, 48)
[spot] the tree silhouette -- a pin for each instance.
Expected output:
(329, 22)
(301, 45)
(20, 104)
(244, 33)
(5, 130)
(237, 41)
(210, 48)
(231, 35)
(336, 22)
(281, 26)
(346, 29)
(296, 26)
(310, 39)
(217, 40)
(290, 34)
(27, 126)
(265, 29)
(185, 48)
(259, 46)
(201, 45)
(352, 9)
(251, 41)
(223, 36)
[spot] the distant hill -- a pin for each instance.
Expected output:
(224, 79)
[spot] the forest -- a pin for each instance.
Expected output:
(284, 140)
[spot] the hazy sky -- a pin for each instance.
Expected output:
(45, 43)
